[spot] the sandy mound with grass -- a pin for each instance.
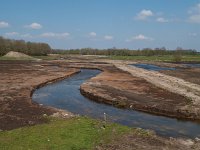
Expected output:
(18, 55)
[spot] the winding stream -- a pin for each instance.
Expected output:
(66, 95)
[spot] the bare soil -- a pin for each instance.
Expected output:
(138, 141)
(183, 71)
(113, 86)
(121, 89)
(18, 79)
(190, 74)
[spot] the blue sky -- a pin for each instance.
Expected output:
(103, 23)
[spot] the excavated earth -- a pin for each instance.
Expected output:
(18, 79)
(114, 86)
(129, 89)
(190, 74)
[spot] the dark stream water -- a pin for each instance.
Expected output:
(152, 67)
(157, 68)
(193, 65)
(66, 95)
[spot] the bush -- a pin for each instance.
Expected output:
(177, 58)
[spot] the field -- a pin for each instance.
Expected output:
(99, 75)
(164, 58)
(71, 134)
(161, 58)
(28, 125)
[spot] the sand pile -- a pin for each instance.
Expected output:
(17, 55)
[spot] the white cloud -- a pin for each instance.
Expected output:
(92, 34)
(140, 37)
(49, 34)
(55, 35)
(34, 26)
(11, 34)
(16, 34)
(162, 20)
(194, 14)
(26, 35)
(4, 24)
(108, 37)
(195, 18)
(144, 14)
(44, 35)
(193, 34)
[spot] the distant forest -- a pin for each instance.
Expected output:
(127, 52)
(29, 48)
(42, 49)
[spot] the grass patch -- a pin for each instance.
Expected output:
(74, 134)
(13, 58)
(164, 58)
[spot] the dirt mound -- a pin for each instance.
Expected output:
(17, 55)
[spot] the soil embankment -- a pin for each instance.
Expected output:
(143, 90)
(113, 86)
(18, 79)
(172, 84)
(191, 74)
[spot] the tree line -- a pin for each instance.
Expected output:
(127, 52)
(38, 49)
(29, 48)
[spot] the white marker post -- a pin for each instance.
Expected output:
(104, 116)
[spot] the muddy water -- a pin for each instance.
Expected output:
(66, 95)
